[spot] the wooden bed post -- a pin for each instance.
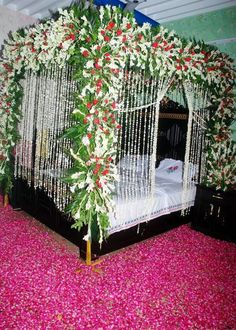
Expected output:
(6, 200)
(88, 253)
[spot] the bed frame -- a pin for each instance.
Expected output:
(172, 140)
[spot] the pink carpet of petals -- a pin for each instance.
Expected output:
(177, 280)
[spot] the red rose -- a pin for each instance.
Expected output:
(181, 51)
(178, 67)
(85, 53)
(118, 32)
(155, 45)
(128, 26)
(97, 66)
(72, 36)
(98, 183)
(105, 172)
(96, 121)
(95, 101)
(89, 135)
(89, 105)
(107, 38)
(110, 26)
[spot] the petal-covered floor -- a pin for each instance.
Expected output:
(177, 280)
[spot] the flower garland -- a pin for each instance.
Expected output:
(98, 44)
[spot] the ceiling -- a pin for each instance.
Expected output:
(159, 10)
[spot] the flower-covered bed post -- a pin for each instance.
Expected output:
(221, 151)
(100, 57)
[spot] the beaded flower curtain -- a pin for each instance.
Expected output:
(40, 155)
(197, 99)
(140, 99)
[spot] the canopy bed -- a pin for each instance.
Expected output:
(115, 118)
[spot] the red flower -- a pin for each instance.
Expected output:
(181, 51)
(187, 59)
(33, 50)
(128, 26)
(104, 119)
(72, 36)
(155, 45)
(89, 105)
(107, 38)
(110, 26)
(113, 105)
(97, 66)
(98, 183)
(71, 26)
(105, 172)
(99, 83)
(118, 32)
(88, 39)
(178, 67)
(89, 135)
(124, 39)
(118, 126)
(140, 36)
(97, 168)
(96, 121)
(85, 121)
(103, 32)
(85, 53)
(98, 48)
(95, 101)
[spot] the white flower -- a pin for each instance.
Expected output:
(85, 141)
(89, 64)
(75, 175)
(77, 215)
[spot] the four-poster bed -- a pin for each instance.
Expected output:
(107, 85)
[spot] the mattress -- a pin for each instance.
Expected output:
(143, 205)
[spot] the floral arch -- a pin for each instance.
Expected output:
(98, 44)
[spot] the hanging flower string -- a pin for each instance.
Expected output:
(98, 44)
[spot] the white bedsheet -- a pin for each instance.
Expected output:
(166, 198)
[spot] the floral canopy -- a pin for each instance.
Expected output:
(98, 43)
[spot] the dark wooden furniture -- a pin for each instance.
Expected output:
(37, 203)
(214, 213)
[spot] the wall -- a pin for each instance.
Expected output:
(217, 25)
(12, 21)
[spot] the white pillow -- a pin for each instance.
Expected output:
(170, 169)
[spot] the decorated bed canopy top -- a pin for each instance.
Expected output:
(98, 44)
